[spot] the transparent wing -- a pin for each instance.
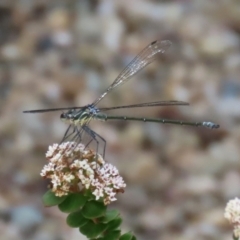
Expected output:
(149, 104)
(51, 109)
(146, 56)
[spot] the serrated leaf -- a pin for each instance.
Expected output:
(93, 209)
(73, 202)
(127, 236)
(92, 230)
(49, 199)
(114, 224)
(109, 216)
(76, 219)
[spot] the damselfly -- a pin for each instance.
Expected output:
(78, 118)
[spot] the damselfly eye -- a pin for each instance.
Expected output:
(63, 116)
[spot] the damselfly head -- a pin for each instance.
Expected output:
(63, 117)
(67, 115)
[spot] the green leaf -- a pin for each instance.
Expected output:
(109, 216)
(73, 202)
(88, 194)
(93, 209)
(114, 224)
(234, 237)
(92, 230)
(127, 236)
(76, 219)
(49, 199)
(114, 235)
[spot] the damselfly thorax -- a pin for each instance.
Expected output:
(82, 117)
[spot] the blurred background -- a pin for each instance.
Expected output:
(65, 53)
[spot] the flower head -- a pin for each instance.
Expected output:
(72, 168)
(232, 214)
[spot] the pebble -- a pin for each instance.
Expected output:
(179, 179)
(26, 217)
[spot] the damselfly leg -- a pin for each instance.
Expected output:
(95, 137)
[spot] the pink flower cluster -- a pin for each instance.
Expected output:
(72, 168)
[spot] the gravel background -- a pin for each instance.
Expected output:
(65, 53)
